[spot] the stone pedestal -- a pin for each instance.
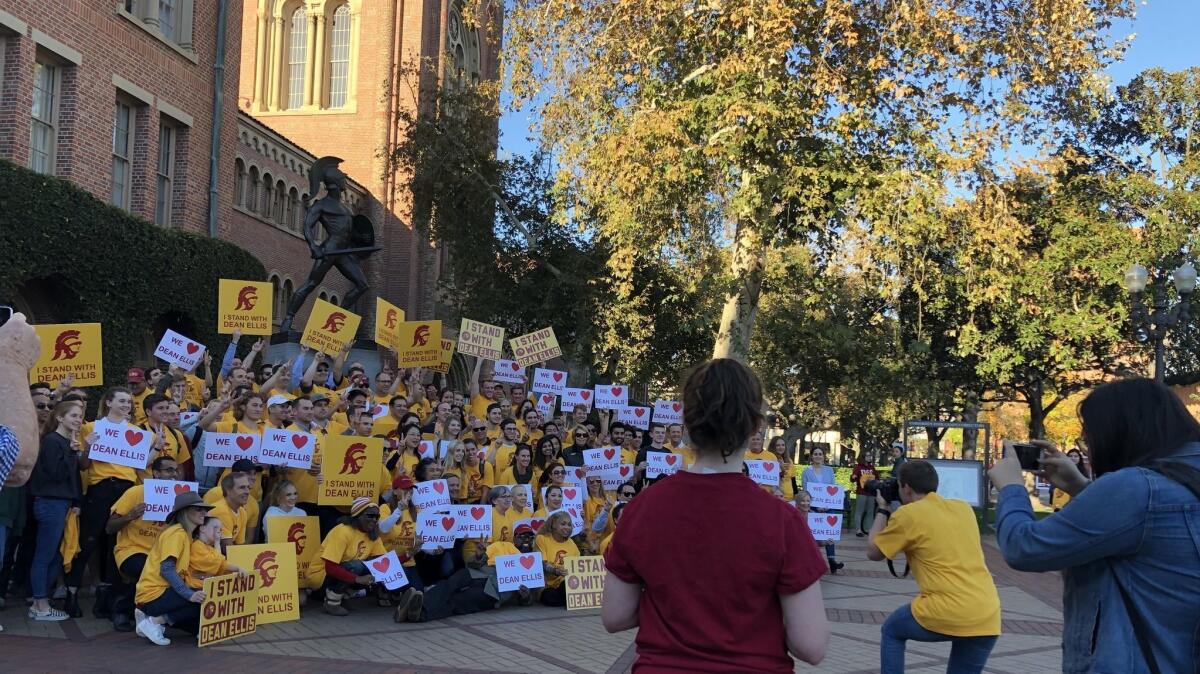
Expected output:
(285, 347)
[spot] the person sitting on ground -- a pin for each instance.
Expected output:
(215, 496)
(135, 538)
(555, 543)
(485, 563)
(163, 597)
(204, 560)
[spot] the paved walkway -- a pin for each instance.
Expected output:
(535, 639)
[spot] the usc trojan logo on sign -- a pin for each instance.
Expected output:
(356, 455)
(67, 345)
(246, 299)
(421, 336)
(266, 567)
(334, 322)
(297, 534)
(390, 323)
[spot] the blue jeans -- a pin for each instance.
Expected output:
(968, 655)
(180, 613)
(51, 516)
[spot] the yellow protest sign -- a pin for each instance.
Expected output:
(585, 582)
(330, 328)
(230, 608)
(351, 467)
(481, 339)
(245, 306)
(274, 568)
(536, 347)
(69, 349)
(304, 534)
(445, 358)
(420, 344)
(388, 317)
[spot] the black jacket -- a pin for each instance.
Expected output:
(56, 473)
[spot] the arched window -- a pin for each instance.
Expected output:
(267, 196)
(252, 193)
(239, 181)
(333, 299)
(292, 207)
(277, 295)
(280, 199)
(339, 57)
(288, 289)
(296, 57)
(322, 296)
(462, 41)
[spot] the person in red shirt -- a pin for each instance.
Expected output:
(709, 537)
(864, 505)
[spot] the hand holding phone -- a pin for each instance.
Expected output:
(1029, 455)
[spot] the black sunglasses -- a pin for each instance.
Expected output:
(44, 406)
(370, 516)
(627, 493)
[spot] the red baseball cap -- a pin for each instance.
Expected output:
(135, 374)
(522, 529)
(403, 482)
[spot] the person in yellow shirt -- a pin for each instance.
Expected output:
(139, 389)
(553, 497)
(522, 471)
(755, 451)
(477, 476)
(168, 442)
(134, 538)
(532, 431)
(252, 472)
(939, 537)
(305, 479)
(482, 394)
(203, 560)
(555, 544)
(597, 501)
(231, 510)
(501, 450)
(521, 501)
(677, 445)
(386, 386)
(613, 517)
(162, 595)
(390, 422)
(248, 409)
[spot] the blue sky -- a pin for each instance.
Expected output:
(1166, 37)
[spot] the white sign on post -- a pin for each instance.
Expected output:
(388, 570)
(611, 396)
(437, 530)
(474, 521)
(601, 460)
(179, 350)
(638, 417)
(121, 444)
(431, 494)
(825, 527)
(549, 381)
(662, 463)
(516, 571)
(827, 496)
(508, 372)
(668, 411)
(281, 447)
(222, 449)
(159, 496)
(573, 397)
(764, 472)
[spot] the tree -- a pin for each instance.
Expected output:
(757, 123)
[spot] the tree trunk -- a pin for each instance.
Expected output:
(970, 435)
(935, 442)
(741, 302)
(1037, 413)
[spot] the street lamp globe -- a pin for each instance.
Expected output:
(1185, 279)
(1135, 278)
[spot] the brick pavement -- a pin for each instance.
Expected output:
(534, 639)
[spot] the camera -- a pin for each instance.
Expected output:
(888, 487)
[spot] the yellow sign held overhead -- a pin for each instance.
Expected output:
(420, 344)
(69, 349)
(481, 339)
(245, 306)
(330, 328)
(388, 318)
(536, 347)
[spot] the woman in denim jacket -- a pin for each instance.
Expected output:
(1132, 526)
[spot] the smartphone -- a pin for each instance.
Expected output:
(5, 314)
(1028, 455)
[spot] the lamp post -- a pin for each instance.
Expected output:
(1152, 323)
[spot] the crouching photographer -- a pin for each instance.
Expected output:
(958, 601)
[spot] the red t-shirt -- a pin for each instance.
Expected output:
(714, 553)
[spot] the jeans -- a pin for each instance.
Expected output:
(180, 613)
(51, 514)
(864, 512)
(3, 540)
(968, 655)
(356, 566)
(830, 551)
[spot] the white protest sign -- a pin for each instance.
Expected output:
(444, 448)
(611, 396)
(764, 472)
(576, 514)
(388, 570)
(576, 477)
(474, 521)
(662, 463)
(615, 478)
(379, 411)
(516, 571)
(638, 417)
(437, 530)
(668, 411)
(427, 450)
(549, 381)
(573, 397)
(601, 460)
(179, 350)
(188, 418)
(121, 444)
(828, 496)
(222, 449)
(508, 372)
(545, 403)
(431, 494)
(281, 447)
(159, 496)
(825, 527)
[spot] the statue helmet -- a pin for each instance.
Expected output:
(324, 171)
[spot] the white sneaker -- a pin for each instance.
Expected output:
(138, 616)
(152, 631)
(49, 615)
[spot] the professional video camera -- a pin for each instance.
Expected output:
(889, 487)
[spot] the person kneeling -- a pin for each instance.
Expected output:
(958, 600)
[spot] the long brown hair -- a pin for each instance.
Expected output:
(59, 410)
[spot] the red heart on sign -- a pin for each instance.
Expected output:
(573, 513)
(671, 459)
(557, 376)
(676, 407)
(376, 410)
(768, 466)
(133, 437)
(527, 561)
(515, 366)
(299, 441)
(625, 470)
(639, 411)
(616, 390)
(585, 394)
(439, 487)
(578, 473)
(610, 453)
(192, 348)
(831, 489)
(180, 488)
(547, 398)
(832, 519)
(447, 523)
(477, 512)
(245, 442)
(569, 494)
(381, 565)
(536, 524)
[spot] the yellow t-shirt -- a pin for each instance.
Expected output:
(479, 405)
(940, 539)
(385, 425)
(498, 548)
(139, 535)
(475, 482)
(555, 553)
(173, 447)
(233, 524)
(501, 455)
(205, 562)
(342, 544)
(217, 495)
(604, 545)
(138, 412)
(629, 456)
(175, 543)
(502, 525)
(99, 471)
(764, 455)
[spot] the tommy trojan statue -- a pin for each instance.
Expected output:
(349, 239)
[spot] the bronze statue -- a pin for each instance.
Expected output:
(348, 238)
